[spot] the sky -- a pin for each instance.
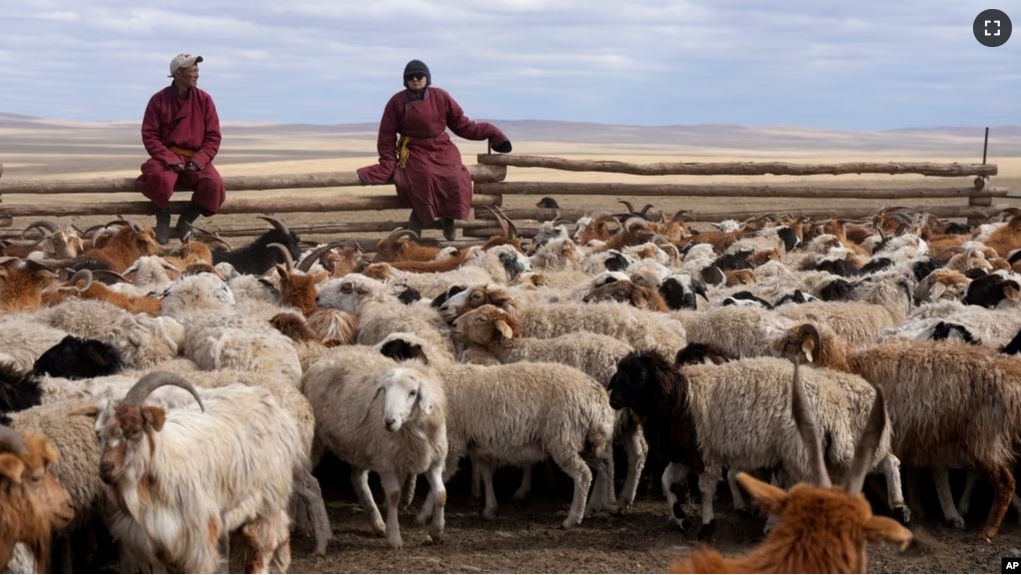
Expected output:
(861, 65)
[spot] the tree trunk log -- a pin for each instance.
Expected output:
(739, 168)
(231, 206)
(727, 191)
(233, 184)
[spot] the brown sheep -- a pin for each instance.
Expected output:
(625, 291)
(32, 502)
(395, 248)
(936, 389)
(21, 288)
(820, 528)
(1006, 238)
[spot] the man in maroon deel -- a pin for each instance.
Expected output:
(424, 164)
(181, 133)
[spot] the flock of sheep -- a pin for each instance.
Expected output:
(182, 397)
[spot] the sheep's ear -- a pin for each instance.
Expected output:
(769, 498)
(504, 329)
(937, 290)
(154, 417)
(426, 400)
(320, 277)
(282, 271)
(1012, 290)
(639, 300)
(86, 410)
(11, 467)
(882, 529)
(808, 347)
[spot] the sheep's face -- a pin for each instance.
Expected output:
(677, 295)
(405, 390)
(347, 293)
(486, 325)
(29, 473)
(642, 379)
(120, 429)
(473, 298)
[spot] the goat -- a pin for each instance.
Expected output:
(256, 258)
(79, 358)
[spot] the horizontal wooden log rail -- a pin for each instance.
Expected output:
(231, 206)
(655, 215)
(739, 168)
(233, 184)
(339, 228)
(727, 191)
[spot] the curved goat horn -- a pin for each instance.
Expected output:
(109, 274)
(805, 421)
(503, 222)
(45, 224)
(11, 441)
(306, 263)
(645, 210)
(630, 207)
(85, 274)
(287, 254)
(276, 223)
(510, 225)
(400, 233)
(154, 380)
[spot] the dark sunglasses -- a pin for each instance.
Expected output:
(414, 76)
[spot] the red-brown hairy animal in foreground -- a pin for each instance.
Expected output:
(820, 528)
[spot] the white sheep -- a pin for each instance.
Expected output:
(402, 434)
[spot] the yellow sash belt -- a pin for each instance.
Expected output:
(403, 152)
(181, 151)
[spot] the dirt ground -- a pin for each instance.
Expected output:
(528, 538)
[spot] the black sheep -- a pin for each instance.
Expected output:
(18, 390)
(78, 358)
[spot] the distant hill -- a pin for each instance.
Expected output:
(963, 141)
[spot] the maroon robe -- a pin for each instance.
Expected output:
(191, 124)
(434, 182)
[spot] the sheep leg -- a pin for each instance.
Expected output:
(1003, 488)
(435, 502)
(603, 496)
(268, 543)
(526, 482)
(309, 491)
(890, 468)
(486, 470)
(360, 479)
(707, 482)
(941, 476)
(735, 490)
(475, 499)
(637, 450)
(392, 487)
(675, 473)
(964, 501)
(409, 491)
(575, 467)
(910, 476)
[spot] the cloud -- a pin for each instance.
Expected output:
(861, 65)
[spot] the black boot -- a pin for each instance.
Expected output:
(188, 216)
(415, 224)
(163, 225)
(449, 231)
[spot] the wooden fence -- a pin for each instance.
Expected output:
(491, 187)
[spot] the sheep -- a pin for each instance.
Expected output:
(820, 528)
(941, 284)
(171, 515)
(993, 328)
(738, 331)
(78, 358)
(239, 343)
(18, 389)
(142, 341)
(627, 292)
(742, 394)
(521, 414)
(596, 355)
(952, 404)
(997, 290)
(380, 313)
(23, 338)
(404, 434)
(21, 288)
(32, 501)
(858, 323)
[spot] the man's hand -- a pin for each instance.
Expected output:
(176, 167)
(192, 166)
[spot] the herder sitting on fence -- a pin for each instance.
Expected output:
(181, 133)
(424, 165)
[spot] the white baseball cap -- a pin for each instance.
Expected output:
(183, 61)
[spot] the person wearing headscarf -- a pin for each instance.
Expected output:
(181, 133)
(419, 158)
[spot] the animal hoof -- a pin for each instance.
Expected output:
(570, 523)
(707, 531)
(435, 536)
(379, 529)
(682, 523)
(903, 515)
(489, 515)
(957, 522)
